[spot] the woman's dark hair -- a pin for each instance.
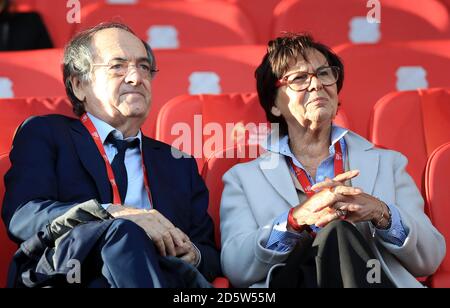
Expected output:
(78, 60)
(280, 54)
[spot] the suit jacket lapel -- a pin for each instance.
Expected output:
(150, 150)
(364, 160)
(91, 160)
(276, 171)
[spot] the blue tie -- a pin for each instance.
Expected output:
(118, 163)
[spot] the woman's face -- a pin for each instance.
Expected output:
(315, 106)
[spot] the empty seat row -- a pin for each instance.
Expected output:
(164, 24)
(193, 71)
(189, 23)
(371, 72)
(355, 21)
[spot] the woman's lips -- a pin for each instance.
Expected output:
(317, 101)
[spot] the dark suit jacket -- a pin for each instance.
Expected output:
(56, 164)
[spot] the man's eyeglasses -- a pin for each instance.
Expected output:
(119, 68)
(300, 81)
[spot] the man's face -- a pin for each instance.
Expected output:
(120, 86)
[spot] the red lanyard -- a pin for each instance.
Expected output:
(98, 142)
(303, 177)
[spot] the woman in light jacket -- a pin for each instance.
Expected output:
(323, 207)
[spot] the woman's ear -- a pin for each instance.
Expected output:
(275, 111)
(78, 89)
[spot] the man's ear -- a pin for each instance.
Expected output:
(275, 111)
(78, 89)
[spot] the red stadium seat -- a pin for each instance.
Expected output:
(193, 71)
(414, 123)
(438, 198)
(176, 24)
(215, 167)
(373, 71)
(202, 71)
(59, 19)
(15, 111)
(345, 21)
(8, 247)
(260, 13)
(185, 120)
(31, 73)
(201, 125)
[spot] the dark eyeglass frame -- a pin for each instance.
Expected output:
(285, 82)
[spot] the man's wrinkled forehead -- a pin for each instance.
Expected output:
(113, 43)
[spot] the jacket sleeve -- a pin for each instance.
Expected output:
(424, 248)
(245, 260)
(30, 201)
(201, 232)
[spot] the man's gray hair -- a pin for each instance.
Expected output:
(78, 60)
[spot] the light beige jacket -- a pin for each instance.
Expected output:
(257, 192)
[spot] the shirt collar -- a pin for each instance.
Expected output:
(281, 145)
(104, 129)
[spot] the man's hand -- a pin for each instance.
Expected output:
(168, 239)
(188, 253)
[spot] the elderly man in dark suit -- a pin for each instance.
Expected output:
(149, 206)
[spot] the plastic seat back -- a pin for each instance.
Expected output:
(31, 73)
(177, 23)
(374, 71)
(201, 125)
(202, 71)
(438, 198)
(414, 123)
(260, 13)
(15, 111)
(355, 21)
(214, 169)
